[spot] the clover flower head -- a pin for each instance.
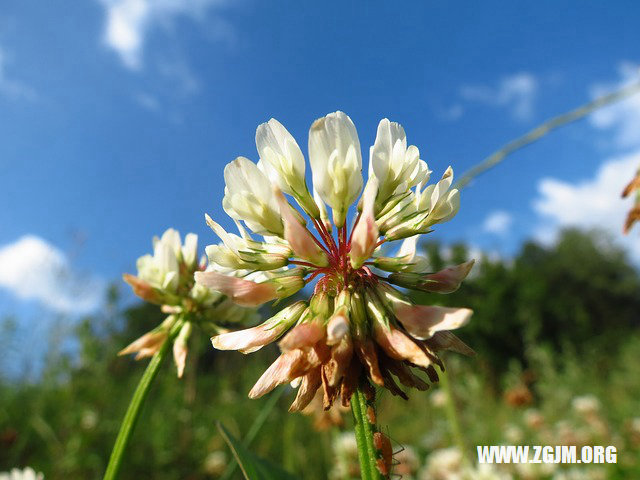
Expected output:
(166, 278)
(356, 326)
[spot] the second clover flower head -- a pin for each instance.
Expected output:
(356, 326)
(166, 278)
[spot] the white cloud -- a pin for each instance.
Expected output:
(129, 21)
(180, 73)
(516, 92)
(32, 269)
(497, 222)
(621, 118)
(594, 202)
(10, 87)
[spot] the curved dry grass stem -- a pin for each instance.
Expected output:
(543, 129)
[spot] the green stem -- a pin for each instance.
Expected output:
(364, 437)
(133, 412)
(452, 416)
(543, 129)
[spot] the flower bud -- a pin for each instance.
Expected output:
(190, 250)
(336, 161)
(249, 197)
(390, 204)
(180, 347)
(444, 281)
(358, 314)
(321, 304)
(403, 211)
(284, 163)
(240, 253)
(253, 339)
(149, 343)
(441, 203)
(289, 283)
(392, 163)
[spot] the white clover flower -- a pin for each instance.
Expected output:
(586, 404)
(356, 325)
(27, 473)
(444, 464)
(394, 165)
(160, 270)
(336, 161)
(439, 398)
(248, 196)
(167, 279)
(215, 463)
(284, 163)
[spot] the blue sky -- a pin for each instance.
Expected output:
(117, 117)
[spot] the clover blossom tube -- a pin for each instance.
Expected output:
(356, 326)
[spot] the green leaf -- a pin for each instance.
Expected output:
(252, 466)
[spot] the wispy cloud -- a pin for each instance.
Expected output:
(498, 222)
(33, 269)
(10, 87)
(128, 22)
(451, 113)
(515, 92)
(621, 119)
(179, 73)
(147, 101)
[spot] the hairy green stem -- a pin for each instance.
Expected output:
(543, 129)
(133, 412)
(364, 437)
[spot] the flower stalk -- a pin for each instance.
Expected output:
(364, 436)
(134, 410)
(544, 129)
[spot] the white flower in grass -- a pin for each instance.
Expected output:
(27, 473)
(356, 325)
(586, 404)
